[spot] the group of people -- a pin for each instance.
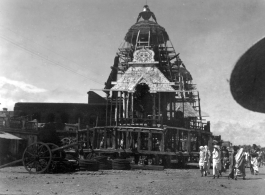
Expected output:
(235, 160)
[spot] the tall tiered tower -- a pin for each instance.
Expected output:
(149, 82)
(153, 110)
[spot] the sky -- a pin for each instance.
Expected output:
(57, 50)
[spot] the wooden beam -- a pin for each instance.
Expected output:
(139, 141)
(110, 120)
(120, 102)
(149, 141)
(105, 138)
(107, 110)
(159, 107)
(154, 109)
(93, 139)
(132, 106)
(116, 109)
(127, 140)
(188, 141)
(178, 140)
(114, 139)
(163, 142)
(87, 136)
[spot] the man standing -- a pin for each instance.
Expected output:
(231, 163)
(207, 160)
(240, 161)
(254, 160)
(225, 156)
(216, 161)
(202, 160)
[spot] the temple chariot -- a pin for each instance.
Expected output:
(153, 114)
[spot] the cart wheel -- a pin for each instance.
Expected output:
(37, 157)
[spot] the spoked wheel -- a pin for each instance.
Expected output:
(37, 157)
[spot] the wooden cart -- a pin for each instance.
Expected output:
(42, 157)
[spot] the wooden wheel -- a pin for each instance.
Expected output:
(37, 157)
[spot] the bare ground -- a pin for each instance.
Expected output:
(16, 180)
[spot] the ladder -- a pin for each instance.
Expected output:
(142, 43)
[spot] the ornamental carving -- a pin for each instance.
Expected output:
(151, 76)
(143, 56)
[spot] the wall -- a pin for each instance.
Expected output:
(61, 112)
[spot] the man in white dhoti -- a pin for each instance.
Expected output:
(207, 160)
(202, 160)
(216, 161)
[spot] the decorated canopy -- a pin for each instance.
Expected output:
(142, 74)
(143, 71)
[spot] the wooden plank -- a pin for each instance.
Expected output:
(189, 144)
(127, 140)
(139, 141)
(163, 143)
(139, 129)
(147, 167)
(116, 109)
(149, 141)
(159, 106)
(178, 140)
(105, 138)
(11, 163)
(193, 164)
(88, 138)
(120, 102)
(110, 120)
(144, 152)
(107, 110)
(132, 107)
(93, 139)
(114, 140)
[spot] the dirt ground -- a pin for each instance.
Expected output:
(15, 180)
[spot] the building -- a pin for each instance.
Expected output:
(92, 113)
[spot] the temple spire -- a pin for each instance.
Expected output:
(146, 14)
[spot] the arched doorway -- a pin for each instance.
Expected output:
(143, 102)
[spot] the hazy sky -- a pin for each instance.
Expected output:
(56, 50)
